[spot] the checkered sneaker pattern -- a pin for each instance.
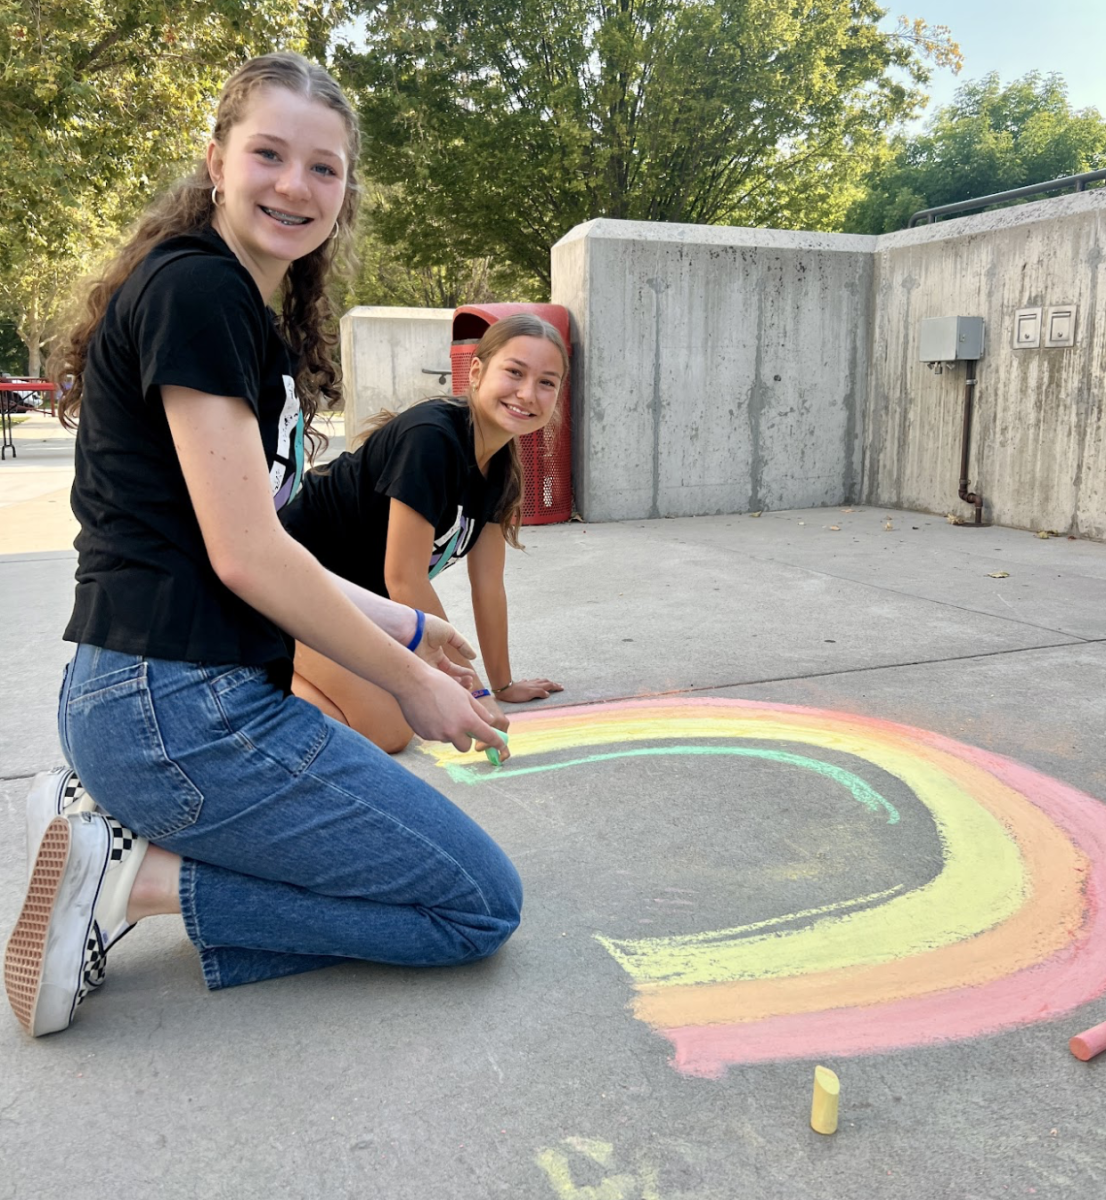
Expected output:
(71, 793)
(96, 948)
(122, 839)
(95, 962)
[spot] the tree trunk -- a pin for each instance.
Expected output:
(32, 339)
(30, 330)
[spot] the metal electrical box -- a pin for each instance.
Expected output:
(946, 339)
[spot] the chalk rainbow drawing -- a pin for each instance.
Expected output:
(1011, 930)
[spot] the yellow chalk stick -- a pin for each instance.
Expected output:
(823, 1112)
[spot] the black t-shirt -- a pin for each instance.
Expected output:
(424, 458)
(189, 315)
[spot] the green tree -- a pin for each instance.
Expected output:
(100, 103)
(390, 273)
(13, 355)
(507, 122)
(989, 139)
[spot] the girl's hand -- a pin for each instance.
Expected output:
(439, 710)
(522, 690)
(436, 636)
(496, 718)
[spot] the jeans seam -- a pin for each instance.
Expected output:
(190, 915)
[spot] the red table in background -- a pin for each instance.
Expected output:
(7, 402)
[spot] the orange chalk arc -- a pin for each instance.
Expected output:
(1010, 931)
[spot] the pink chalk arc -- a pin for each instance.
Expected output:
(1044, 958)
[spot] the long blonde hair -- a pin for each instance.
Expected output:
(306, 314)
(497, 335)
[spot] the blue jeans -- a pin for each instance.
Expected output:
(302, 843)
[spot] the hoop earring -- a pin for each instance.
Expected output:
(215, 195)
(333, 233)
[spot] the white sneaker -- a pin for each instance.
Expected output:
(76, 907)
(59, 793)
(56, 793)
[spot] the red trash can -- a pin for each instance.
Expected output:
(547, 454)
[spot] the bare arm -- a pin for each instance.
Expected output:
(219, 448)
(406, 559)
(441, 645)
(489, 603)
(489, 606)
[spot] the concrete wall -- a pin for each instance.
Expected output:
(715, 369)
(1039, 435)
(384, 351)
(729, 370)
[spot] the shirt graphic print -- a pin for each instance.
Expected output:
(286, 473)
(452, 544)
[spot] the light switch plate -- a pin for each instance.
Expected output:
(1027, 328)
(1060, 325)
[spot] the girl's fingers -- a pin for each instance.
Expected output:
(440, 633)
(546, 685)
(461, 645)
(480, 730)
(461, 673)
(503, 754)
(529, 689)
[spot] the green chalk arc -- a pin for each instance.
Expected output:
(861, 791)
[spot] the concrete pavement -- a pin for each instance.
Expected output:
(888, 857)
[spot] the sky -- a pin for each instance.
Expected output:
(1014, 37)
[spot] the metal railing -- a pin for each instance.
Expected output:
(1077, 183)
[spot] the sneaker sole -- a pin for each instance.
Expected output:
(48, 1008)
(48, 798)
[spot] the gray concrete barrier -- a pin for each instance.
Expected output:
(384, 354)
(730, 370)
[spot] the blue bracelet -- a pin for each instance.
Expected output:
(480, 693)
(420, 625)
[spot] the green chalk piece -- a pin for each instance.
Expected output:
(493, 753)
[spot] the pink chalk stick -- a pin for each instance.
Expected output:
(1086, 1045)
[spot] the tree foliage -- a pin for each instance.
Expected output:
(100, 103)
(988, 140)
(390, 273)
(507, 122)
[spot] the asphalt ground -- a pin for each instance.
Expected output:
(823, 787)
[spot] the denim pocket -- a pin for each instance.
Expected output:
(106, 682)
(251, 709)
(112, 732)
(230, 678)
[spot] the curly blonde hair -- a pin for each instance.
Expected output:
(306, 313)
